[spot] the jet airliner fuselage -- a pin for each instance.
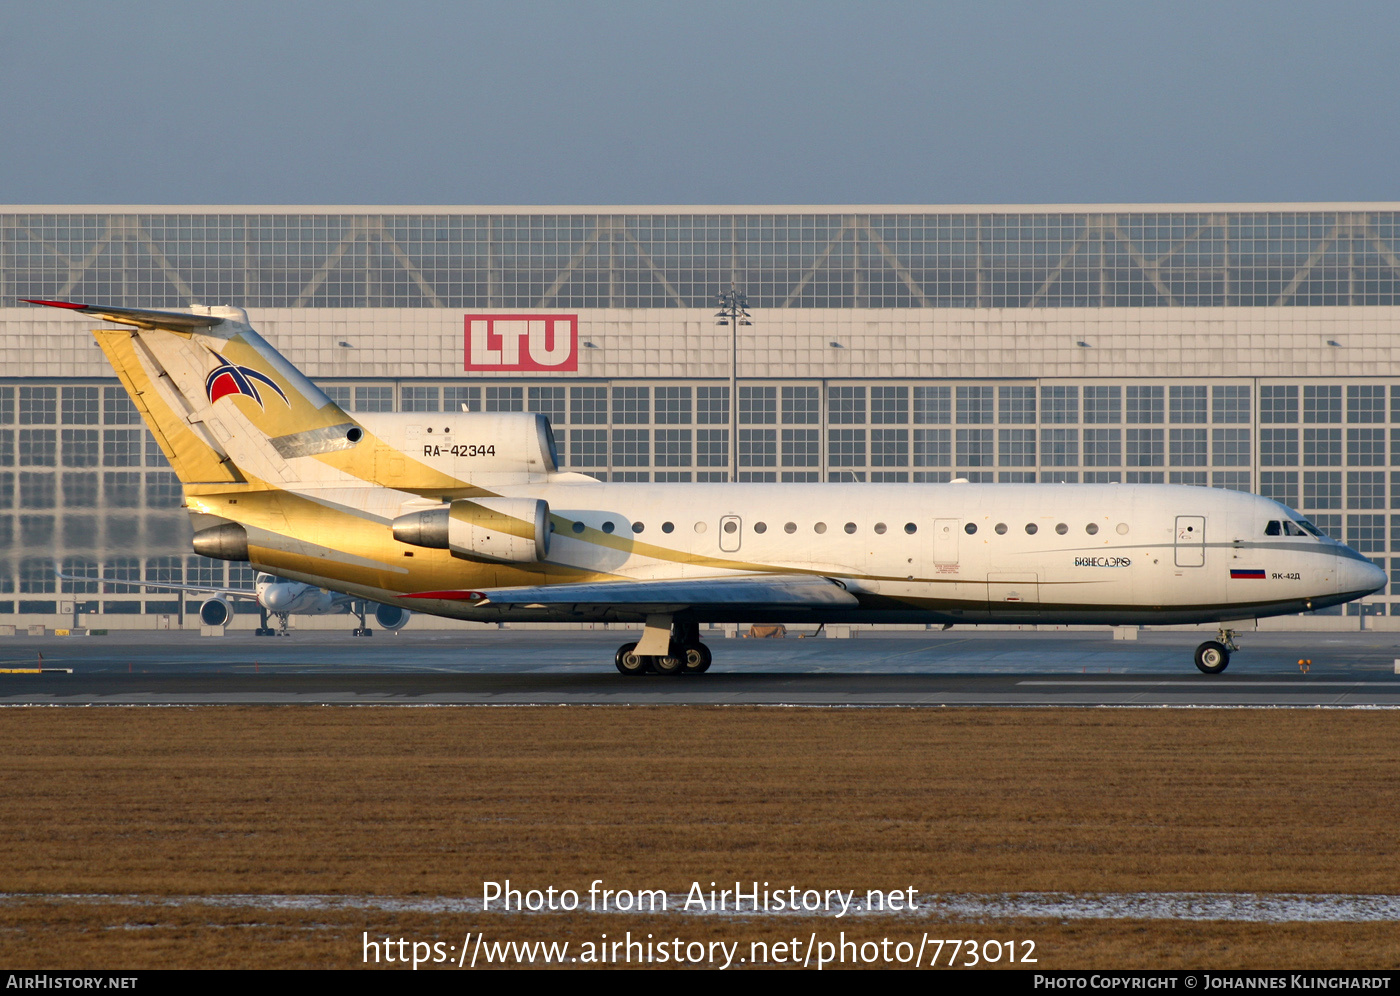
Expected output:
(468, 515)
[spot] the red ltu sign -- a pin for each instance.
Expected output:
(521, 342)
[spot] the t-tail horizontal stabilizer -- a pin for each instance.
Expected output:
(142, 318)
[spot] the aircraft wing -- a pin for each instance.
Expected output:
(202, 589)
(172, 321)
(757, 590)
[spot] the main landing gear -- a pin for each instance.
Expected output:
(1213, 656)
(685, 653)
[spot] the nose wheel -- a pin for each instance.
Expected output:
(263, 628)
(1213, 656)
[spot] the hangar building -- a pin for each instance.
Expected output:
(1247, 346)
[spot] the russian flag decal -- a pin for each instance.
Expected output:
(1249, 574)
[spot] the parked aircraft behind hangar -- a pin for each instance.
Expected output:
(282, 599)
(467, 515)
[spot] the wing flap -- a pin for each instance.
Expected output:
(761, 590)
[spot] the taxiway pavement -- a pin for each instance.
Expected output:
(523, 667)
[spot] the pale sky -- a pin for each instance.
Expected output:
(411, 102)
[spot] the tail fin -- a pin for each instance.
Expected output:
(226, 407)
(216, 396)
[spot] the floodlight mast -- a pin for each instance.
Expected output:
(733, 311)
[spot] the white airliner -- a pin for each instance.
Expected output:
(281, 598)
(467, 515)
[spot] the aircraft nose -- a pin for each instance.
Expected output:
(276, 596)
(1361, 575)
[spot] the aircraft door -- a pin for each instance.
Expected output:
(945, 545)
(1190, 541)
(731, 529)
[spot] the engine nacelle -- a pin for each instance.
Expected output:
(228, 541)
(505, 530)
(391, 617)
(486, 448)
(215, 611)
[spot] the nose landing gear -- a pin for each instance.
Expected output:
(359, 609)
(1213, 656)
(265, 630)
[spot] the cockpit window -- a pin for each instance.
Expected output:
(1310, 528)
(1293, 529)
(1274, 528)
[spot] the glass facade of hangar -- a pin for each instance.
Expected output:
(83, 485)
(539, 258)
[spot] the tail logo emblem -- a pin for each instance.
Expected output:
(230, 378)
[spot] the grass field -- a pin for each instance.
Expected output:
(432, 802)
